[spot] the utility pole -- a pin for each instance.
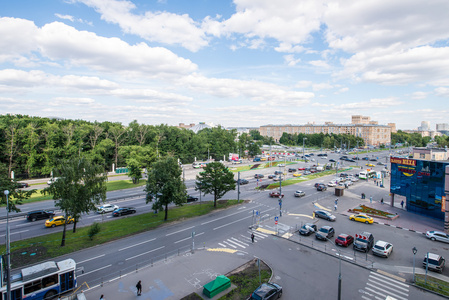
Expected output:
(8, 251)
(238, 188)
(280, 197)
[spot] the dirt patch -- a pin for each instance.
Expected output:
(28, 256)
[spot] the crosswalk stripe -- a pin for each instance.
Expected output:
(393, 286)
(234, 239)
(382, 294)
(232, 242)
(261, 235)
(227, 243)
(384, 289)
(389, 279)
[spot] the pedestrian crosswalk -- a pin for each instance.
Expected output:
(243, 241)
(381, 287)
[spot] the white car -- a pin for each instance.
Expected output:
(382, 248)
(299, 194)
(106, 208)
(354, 179)
(276, 178)
(331, 183)
(438, 236)
(52, 180)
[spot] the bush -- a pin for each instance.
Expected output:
(93, 230)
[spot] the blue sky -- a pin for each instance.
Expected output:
(234, 63)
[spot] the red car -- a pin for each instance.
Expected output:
(275, 195)
(344, 240)
(301, 169)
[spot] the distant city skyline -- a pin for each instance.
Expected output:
(234, 63)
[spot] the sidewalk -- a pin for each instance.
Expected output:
(172, 279)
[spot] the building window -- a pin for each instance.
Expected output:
(422, 155)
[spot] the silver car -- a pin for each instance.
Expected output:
(106, 208)
(438, 236)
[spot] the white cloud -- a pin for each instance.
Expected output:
(322, 86)
(442, 92)
(372, 103)
(419, 95)
(290, 60)
(65, 17)
(319, 63)
(304, 84)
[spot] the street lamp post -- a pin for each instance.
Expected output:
(303, 152)
(414, 254)
(339, 269)
(8, 254)
(280, 195)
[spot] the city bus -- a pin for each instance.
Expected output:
(363, 175)
(41, 282)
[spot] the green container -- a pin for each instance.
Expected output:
(216, 286)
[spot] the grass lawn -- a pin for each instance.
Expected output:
(34, 250)
(433, 284)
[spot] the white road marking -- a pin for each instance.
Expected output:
(231, 223)
(234, 243)
(226, 216)
(136, 244)
(168, 234)
(145, 253)
(18, 232)
(83, 261)
(94, 270)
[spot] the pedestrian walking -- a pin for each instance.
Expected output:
(102, 297)
(336, 201)
(371, 199)
(382, 201)
(139, 288)
(402, 203)
(252, 237)
(335, 207)
(377, 183)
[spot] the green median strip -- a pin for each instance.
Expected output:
(33, 250)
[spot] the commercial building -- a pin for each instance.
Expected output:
(443, 128)
(422, 185)
(371, 132)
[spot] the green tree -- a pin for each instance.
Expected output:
(81, 186)
(134, 170)
(16, 196)
(216, 179)
(164, 180)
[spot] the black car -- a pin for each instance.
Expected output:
(373, 159)
(325, 232)
(191, 198)
(267, 291)
(259, 176)
(40, 215)
(22, 185)
(365, 158)
(152, 197)
(321, 188)
(324, 215)
(363, 242)
(123, 211)
(307, 229)
(292, 169)
(332, 160)
(242, 181)
(271, 176)
(277, 172)
(350, 160)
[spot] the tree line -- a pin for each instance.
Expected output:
(31, 146)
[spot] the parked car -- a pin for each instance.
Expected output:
(267, 291)
(22, 185)
(301, 169)
(363, 242)
(382, 248)
(438, 236)
(292, 169)
(241, 181)
(435, 263)
(344, 240)
(259, 176)
(307, 173)
(123, 211)
(324, 215)
(300, 194)
(361, 218)
(325, 232)
(58, 220)
(106, 208)
(297, 174)
(321, 188)
(191, 198)
(39, 215)
(307, 229)
(276, 194)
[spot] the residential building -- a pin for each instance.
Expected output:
(430, 153)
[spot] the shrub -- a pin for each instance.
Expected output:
(93, 230)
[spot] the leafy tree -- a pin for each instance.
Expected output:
(216, 179)
(134, 170)
(81, 186)
(164, 180)
(16, 196)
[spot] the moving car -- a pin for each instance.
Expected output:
(307, 173)
(380, 163)
(277, 178)
(436, 262)
(344, 240)
(370, 165)
(271, 176)
(324, 215)
(300, 194)
(321, 187)
(52, 180)
(297, 174)
(363, 242)
(291, 169)
(438, 236)
(332, 160)
(275, 194)
(123, 211)
(241, 181)
(361, 218)
(191, 198)
(22, 185)
(325, 232)
(259, 176)
(58, 220)
(331, 183)
(277, 172)
(39, 215)
(301, 169)
(106, 208)
(307, 229)
(267, 291)
(382, 248)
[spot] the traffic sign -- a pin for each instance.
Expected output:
(276, 218)
(275, 222)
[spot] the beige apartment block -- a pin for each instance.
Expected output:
(430, 153)
(372, 134)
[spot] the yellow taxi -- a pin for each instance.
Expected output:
(58, 220)
(361, 218)
(297, 174)
(370, 165)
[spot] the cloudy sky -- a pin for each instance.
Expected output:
(234, 63)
